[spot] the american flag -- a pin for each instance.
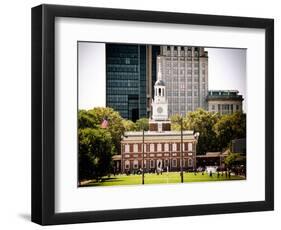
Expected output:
(104, 123)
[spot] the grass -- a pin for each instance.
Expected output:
(165, 178)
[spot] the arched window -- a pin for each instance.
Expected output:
(174, 163)
(152, 164)
(159, 92)
(136, 164)
(190, 162)
(127, 164)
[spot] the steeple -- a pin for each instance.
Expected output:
(160, 121)
(159, 69)
(159, 104)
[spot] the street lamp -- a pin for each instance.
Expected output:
(143, 156)
(196, 137)
(181, 148)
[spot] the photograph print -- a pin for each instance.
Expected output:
(160, 114)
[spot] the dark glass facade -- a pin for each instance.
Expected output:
(155, 52)
(126, 69)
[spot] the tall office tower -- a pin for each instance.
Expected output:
(130, 72)
(185, 73)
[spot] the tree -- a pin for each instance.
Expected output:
(216, 131)
(203, 122)
(129, 125)
(86, 120)
(231, 159)
(95, 153)
(94, 117)
(230, 127)
(175, 122)
(142, 123)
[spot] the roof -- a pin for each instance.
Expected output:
(159, 136)
(213, 154)
(116, 157)
(224, 95)
(159, 83)
(155, 133)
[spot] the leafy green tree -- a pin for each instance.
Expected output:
(175, 122)
(216, 131)
(142, 123)
(230, 127)
(129, 125)
(203, 122)
(95, 153)
(93, 118)
(231, 159)
(86, 120)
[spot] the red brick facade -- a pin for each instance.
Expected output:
(158, 155)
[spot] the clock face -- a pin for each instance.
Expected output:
(159, 109)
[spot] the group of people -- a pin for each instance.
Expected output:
(227, 172)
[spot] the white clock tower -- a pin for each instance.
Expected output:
(160, 121)
(159, 104)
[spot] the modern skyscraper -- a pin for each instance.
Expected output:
(130, 74)
(185, 73)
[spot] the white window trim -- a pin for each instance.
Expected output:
(189, 146)
(166, 147)
(151, 147)
(174, 147)
(159, 147)
(135, 148)
(127, 148)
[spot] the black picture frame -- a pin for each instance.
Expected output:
(43, 114)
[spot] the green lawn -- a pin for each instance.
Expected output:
(171, 177)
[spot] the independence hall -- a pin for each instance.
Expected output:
(162, 151)
(158, 149)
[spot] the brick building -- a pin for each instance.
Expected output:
(158, 149)
(162, 151)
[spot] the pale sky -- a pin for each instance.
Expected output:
(91, 75)
(227, 71)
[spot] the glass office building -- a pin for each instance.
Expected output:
(130, 73)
